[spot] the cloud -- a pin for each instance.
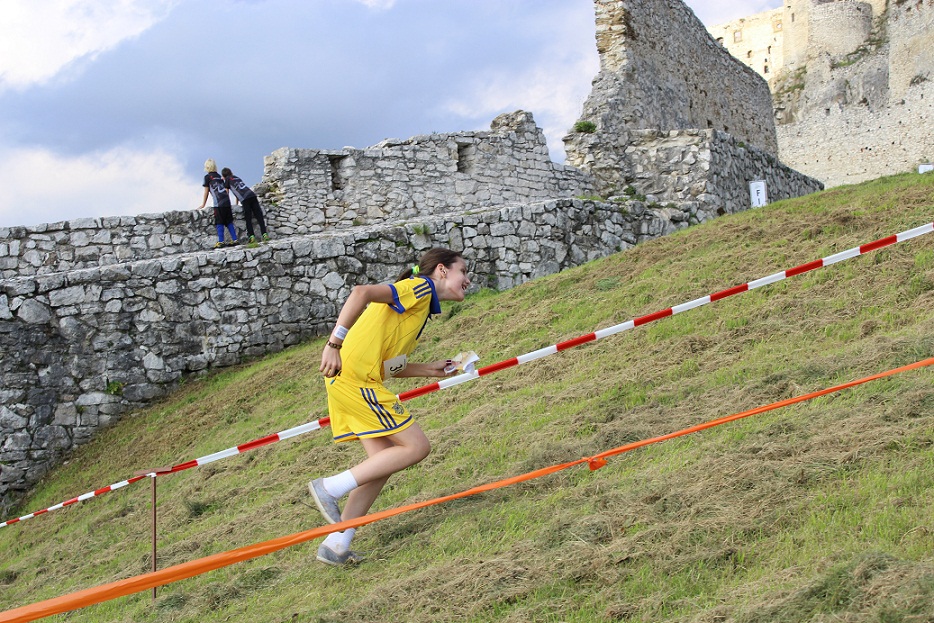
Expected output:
(120, 181)
(554, 94)
(40, 38)
(716, 12)
(377, 4)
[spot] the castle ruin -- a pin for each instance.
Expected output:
(661, 71)
(851, 81)
(101, 316)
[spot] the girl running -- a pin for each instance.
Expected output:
(377, 328)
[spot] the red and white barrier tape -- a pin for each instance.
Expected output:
(256, 443)
(223, 454)
(625, 326)
(522, 359)
(80, 498)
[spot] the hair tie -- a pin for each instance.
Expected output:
(415, 271)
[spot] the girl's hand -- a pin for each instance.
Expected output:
(440, 368)
(330, 362)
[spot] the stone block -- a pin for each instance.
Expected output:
(11, 421)
(33, 312)
(10, 474)
(144, 392)
(153, 361)
(208, 311)
(93, 399)
(65, 415)
(17, 443)
(84, 223)
(150, 315)
(67, 296)
(147, 269)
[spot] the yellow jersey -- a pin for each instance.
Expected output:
(384, 332)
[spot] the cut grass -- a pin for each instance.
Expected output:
(820, 511)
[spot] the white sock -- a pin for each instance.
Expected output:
(341, 484)
(340, 541)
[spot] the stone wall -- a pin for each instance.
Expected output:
(100, 316)
(405, 180)
(858, 116)
(910, 31)
(795, 32)
(708, 169)
(859, 143)
(88, 242)
(82, 348)
(838, 28)
(800, 30)
(756, 40)
(661, 70)
(307, 191)
(855, 100)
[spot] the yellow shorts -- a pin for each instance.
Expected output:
(368, 411)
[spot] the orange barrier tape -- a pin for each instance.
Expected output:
(192, 568)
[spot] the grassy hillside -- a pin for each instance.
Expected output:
(817, 512)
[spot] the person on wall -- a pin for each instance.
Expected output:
(246, 197)
(377, 328)
(223, 213)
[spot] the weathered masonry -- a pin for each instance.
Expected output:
(100, 316)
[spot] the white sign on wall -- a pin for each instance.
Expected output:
(757, 193)
(925, 168)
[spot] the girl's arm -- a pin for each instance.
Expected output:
(433, 368)
(359, 298)
(204, 200)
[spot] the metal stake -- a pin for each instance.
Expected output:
(157, 471)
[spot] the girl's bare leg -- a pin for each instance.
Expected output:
(385, 456)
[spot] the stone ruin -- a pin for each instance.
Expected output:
(851, 83)
(661, 71)
(405, 180)
(101, 316)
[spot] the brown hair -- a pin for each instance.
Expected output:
(428, 262)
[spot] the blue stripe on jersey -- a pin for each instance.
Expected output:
(435, 307)
(375, 409)
(422, 290)
(396, 304)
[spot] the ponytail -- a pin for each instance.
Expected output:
(426, 265)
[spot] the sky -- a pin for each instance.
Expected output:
(110, 107)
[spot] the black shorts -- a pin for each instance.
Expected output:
(223, 215)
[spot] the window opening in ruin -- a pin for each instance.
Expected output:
(777, 25)
(466, 157)
(709, 124)
(792, 18)
(770, 49)
(765, 69)
(720, 40)
(737, 36)
(337, 177)
(749, 54)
